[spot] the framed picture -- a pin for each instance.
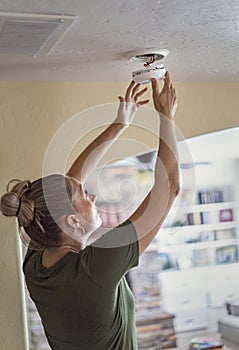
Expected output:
(226, 215)
(200, 257)
(227, 254)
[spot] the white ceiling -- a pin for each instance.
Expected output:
(202, 37)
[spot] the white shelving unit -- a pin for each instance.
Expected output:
(199, 249)
(203, 262)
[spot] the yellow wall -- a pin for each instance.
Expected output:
(31, 112)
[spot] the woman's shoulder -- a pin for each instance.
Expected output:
(121, 235)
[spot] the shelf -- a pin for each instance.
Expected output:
(202, 227)
(206, 207)
(199, 245)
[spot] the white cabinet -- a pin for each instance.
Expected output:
(197, 296)
(183, 293)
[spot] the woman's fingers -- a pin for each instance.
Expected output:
(167, 82)
(155, 87)
(135, 90)
(140, 93)
(129, 91)
(121, 99)
(141, 103)
(133, 93)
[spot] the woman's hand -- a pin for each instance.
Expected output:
(130, 104)
(165, 101)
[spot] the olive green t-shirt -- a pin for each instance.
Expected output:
(83, 299)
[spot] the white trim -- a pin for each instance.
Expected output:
(22, 291)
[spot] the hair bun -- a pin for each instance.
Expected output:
(17, 203)
(21, 187)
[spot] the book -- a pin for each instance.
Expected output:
(194, 218)
(212, 196)
(204, 344)
(197, 218)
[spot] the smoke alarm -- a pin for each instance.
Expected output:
(148, 57)
(144, 76)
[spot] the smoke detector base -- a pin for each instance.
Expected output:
(144, 56)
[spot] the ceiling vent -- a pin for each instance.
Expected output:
(31, 34)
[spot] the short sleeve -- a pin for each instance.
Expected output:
(114, 254)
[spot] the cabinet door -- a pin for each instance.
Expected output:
(225, 274)
(182, 281)
(219, 294)
(188, 300)
(188, 323)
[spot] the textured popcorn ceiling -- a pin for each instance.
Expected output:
(202, 37)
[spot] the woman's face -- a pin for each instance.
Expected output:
(85, 204)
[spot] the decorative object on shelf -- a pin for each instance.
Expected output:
(225, 234)
(184, 262)
(193, 238)
(226, 215)
(166, 262)
(232, 307)
(207, 236)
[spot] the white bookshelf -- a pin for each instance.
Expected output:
(200, 258)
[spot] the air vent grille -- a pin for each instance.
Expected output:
(31, 35)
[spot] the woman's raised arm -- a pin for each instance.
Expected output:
(151, 213)
(88, 160)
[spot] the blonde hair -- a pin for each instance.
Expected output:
(39, 207)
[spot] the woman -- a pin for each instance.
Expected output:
(80, 290)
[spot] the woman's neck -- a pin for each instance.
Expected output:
(70, 245)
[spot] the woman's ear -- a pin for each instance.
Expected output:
(73, 220)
